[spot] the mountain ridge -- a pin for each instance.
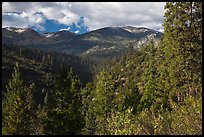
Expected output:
(103, 41)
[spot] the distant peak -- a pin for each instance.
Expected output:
(64, 32)
(135, 29)
(18, 30)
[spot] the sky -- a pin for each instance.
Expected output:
(81, 17)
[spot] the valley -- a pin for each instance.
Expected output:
(110, 80)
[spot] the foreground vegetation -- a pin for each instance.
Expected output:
(155, 90)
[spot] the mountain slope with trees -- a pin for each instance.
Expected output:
(101, 43)
(155, 90)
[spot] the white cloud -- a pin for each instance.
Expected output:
(103, 14)
(52, 10)
(22, 20)
(96, 14)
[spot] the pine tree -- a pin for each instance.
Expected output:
(29, 115)
(63, 107)
(103, 101)
(163, 77)
(18, 107)
(149, 78)
(11, 113)
(87, 107)
(182, 46)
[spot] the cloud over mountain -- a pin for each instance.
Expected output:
(23, 19)
(95, 14)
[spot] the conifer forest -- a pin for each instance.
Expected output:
(154, 90)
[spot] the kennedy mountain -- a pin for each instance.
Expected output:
(100, 43)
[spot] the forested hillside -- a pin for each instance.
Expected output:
(155, 90)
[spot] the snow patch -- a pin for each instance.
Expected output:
(49, 35)
(135, 30)
(77, 31)
(9, 29)
(20, 30)
(65, 29)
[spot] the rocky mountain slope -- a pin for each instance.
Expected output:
(104, 42)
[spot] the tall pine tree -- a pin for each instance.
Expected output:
(19, 115)
(183, 47)
(103, 101)
(149, 78)
(63, 108)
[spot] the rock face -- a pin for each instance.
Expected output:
(104, 42)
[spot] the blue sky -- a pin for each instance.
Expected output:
(44, 25)
(53, 26)
(80, 17)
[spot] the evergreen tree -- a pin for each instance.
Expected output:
(19, 115)
(63, 107)
(103, 101)
(29, 115)
(163, 77)
(149, 78)
(11, 113)
(182, 46)
(87, 106)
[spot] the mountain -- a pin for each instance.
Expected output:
(104, 42)
(142, 31)
(109, 42)
(58, 37)
(20, 36)
(29, 36)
